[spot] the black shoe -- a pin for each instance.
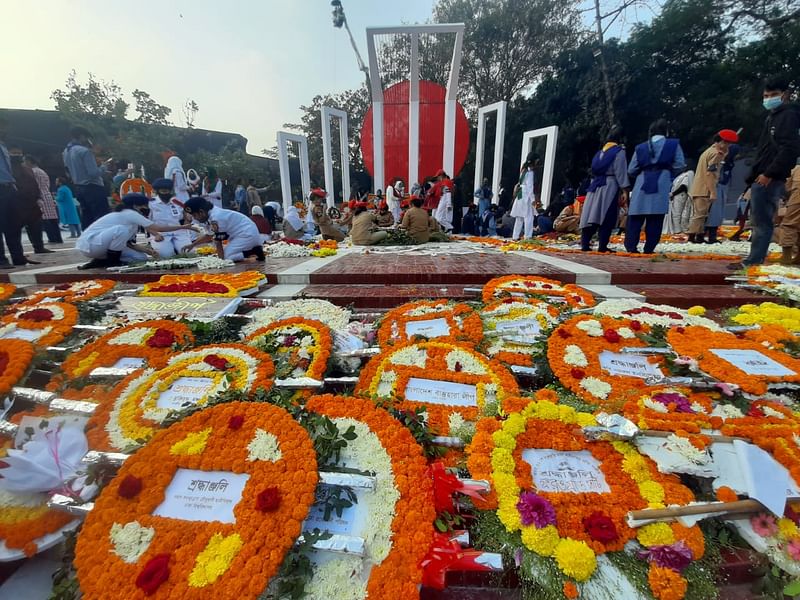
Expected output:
(19, 262)
(43, 251)
(114, 259)
(737, 266)
(6, 265)
(95, 263)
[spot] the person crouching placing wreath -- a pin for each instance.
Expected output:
(225, 225)
(111, 240)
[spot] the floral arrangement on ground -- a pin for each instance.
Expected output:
(300, 348)
(433, 319)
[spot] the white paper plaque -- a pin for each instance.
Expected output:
(129, 363)
(194, 307)
(29, 335)
(568, 471)
(629, 365)
(202, 496)
(441, 392)
(753, 362)
(184, 390)
(518, 329)
(431, 328)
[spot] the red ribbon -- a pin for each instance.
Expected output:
(446, 555)
(445, 484)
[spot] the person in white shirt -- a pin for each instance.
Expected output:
(225, 225)
(111, 240)
(165, 209)
(212, 187)
(444, 211)
(394, 195)
(523, 209)
(277, 207)
(174, 172)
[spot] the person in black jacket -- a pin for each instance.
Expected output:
(778, 149)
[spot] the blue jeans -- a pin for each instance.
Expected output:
(763, 205)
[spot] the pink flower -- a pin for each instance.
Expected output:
(793, 549)
(535, 510)
(764, 525)
(727, 388)
(675, 556)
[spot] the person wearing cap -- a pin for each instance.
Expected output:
(225, 225)
(362, 232)
(706, 178)
(319, 213)
(394, 195)
(111, 240)
(434, 193)
(385, 218)
(717, 213)
(165, 209)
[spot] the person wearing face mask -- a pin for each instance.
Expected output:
(704, 185)
(225, 225)
(165, 209)
(778, 149)
(81, 165)
(111, 240)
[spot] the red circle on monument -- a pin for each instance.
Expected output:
(431, 133)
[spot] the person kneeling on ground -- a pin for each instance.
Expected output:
(385, 218)
(416, 221)
(319, 212)
(111, 239)
(167, 210)
(567, 221)
(226, 225)
(362, 232)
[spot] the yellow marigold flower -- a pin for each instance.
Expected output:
(502, 460)
(510, 518)
(585, 419)
(575, 559)
(504, 440)
(787, 528)
(548, 411)
(567, 414)
(651, 491)
(515, 424)
(542, 541)
(215, 559)
(697, 311)
(194, 443)
(655, 534)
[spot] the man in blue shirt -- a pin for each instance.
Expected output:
(9, 227)
(87, 176)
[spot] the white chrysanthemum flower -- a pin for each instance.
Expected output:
(135, 337)
(131, 540)
(264, 446)
(626, 333)
(333, 316)
(698, 408)
(686, 449)
(727, 411)
(411, 356)
(574, 356)
(468, 361)
(596, 387)
(386, 383)
(656, 406)
(591, 327)
(771, 412)
(20, 500)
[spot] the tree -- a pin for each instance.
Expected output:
(149, 110)
(509, 45)
(97, 97)
(189, 110)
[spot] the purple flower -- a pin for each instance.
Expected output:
(681, 402)
(676, 556)
(535, 510)
(518, 557)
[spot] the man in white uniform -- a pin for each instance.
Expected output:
(225, 225)
(394, 195)
(523, 209)
(444, 211)
(165, 209)
(111, 239)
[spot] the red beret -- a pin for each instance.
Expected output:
(319, 192)
(383, 205)
(362, 204)
(440, 172)
(729, 135)
(352, 204)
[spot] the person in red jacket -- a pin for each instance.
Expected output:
(435, 193)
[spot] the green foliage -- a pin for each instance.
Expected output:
(65, 579)
(334, 499)
(149, 110)
(96, 97)
(297, 569)
(220, 331)
(415, 422)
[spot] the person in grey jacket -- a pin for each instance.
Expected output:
(87, 176)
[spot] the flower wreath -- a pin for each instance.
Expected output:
(673, 409)
(52, 322)
(768, 313)
(652, 314)
(6, 291)
(401, 515)
(125, 547)
(463, 324)
(151, 341)
(499, 315)
(573, 351)
(525, 286)
(326, 312)
(15, 358)
(698, 343)
(75, 291)
(776, 279)
(130, 415)
(25, 518)
(299, 347)
(387, 375)
(573, 528)
(224, 285)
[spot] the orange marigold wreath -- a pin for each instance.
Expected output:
(53, 321)
(462, 323)
(75, 291)
(284, 341)
(526, 286)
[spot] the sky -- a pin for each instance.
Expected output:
(249, 64)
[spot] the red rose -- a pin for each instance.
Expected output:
(612, 337)
(755, 411)
(130, 487)
(680, 329)
(600, 528)
(577, 373)
(162, 338)
(37, 314)
(153, 574)
(191, 287)
(563, 333)
(216, 361)
(457, 367)
(235, 422)
(269, 499)
(636, 325)
(547, 286)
